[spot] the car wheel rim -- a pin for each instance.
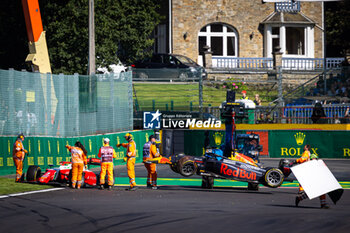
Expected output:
(188, 169)
(143, 76)
(274, 178)
(183, 76)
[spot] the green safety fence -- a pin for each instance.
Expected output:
(45, 151)
(65, 105)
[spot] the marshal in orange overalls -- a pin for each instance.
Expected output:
(130, 158)
(301, 194)
(78, 162)
(149, 152)
(18, 154)
(106, 153)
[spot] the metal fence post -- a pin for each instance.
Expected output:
(48, 104)
(76, 104)
(325, 81)
(280, 90)
(200, 96)
(11, 99)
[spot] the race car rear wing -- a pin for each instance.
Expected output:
(93, 161)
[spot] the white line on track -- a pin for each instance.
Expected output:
(31, 192)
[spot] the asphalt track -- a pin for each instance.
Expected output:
(175, 208)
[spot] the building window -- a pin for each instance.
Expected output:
(295, 40)
(221, 38)
(275, 35)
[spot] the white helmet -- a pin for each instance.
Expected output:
(106, 140)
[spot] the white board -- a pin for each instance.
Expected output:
(315, 177)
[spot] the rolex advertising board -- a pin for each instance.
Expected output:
(325, 144)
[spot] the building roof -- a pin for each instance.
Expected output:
(287, 18)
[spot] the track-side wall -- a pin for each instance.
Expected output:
(279, 143)
(45, 151)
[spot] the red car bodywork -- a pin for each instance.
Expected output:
(62, 174)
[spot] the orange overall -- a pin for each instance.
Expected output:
(107, 153)
(130, 164)
(150, 152)
(302, 195)
(78, 162)
(18, 154)
(304, 158)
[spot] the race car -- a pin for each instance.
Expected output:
(214, 165)
(62, 174)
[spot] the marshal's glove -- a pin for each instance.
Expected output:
(125, 158)
(119, 145)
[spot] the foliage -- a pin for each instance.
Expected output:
(123, 26)
(337, 16)
(231, 84)
(14, 41)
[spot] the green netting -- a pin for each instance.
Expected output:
(64, 105)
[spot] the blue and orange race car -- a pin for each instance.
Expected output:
(214, 165)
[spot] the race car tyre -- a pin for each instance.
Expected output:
(173, 167)
(83, 184)
(33, 173)
(207, 182)
(183, 76)
(186, 166)
(273, 177)
(253, 187)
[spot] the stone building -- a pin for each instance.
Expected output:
(241, 28)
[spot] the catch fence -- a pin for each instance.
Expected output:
(64, 105)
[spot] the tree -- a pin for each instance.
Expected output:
(337, 16)
(14, 40)
(122, 26)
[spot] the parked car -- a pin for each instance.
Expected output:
(167, 67)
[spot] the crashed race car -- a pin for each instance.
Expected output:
(229, 162)
(214, 165)
(63, 174)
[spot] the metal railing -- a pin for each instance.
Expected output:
(243, 62)
(334, 113)
(287, 6)
(310, 63)
(267, 63)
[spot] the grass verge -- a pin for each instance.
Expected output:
(8, 186)
(185, 95)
